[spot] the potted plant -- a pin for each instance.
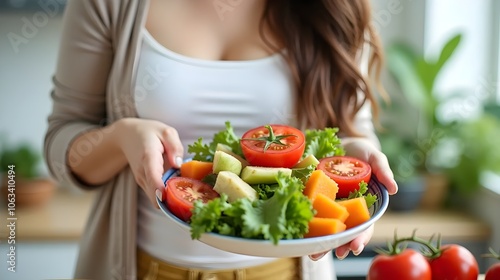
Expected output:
(29, 188)
(410, 182)
(412, 128)
(476, 150)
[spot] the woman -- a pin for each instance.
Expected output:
(137, 81)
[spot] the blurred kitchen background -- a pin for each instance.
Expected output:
(441, 130)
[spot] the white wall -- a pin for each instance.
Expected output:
(474, 66)
(400, 20)
(25, 74)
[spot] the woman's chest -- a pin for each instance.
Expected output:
(205, 30)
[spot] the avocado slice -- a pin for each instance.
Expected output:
(263, 175)
(226, 162)
(226, 149)
(234, 187)
(309, 160)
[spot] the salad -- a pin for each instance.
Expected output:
(273, 183)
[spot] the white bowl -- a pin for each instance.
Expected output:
(286, 247)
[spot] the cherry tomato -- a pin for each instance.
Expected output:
(282, 151)
(180, 193)
(408, 265)
(348, 172)
(493, 272)
(454, 263)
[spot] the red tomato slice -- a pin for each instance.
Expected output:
(275, 155)
(348, 172)
(181, 193)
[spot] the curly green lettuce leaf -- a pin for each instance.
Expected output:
(323, 143)
(303, 173)
(363, 192)
(205, 152)
(283, 216)
(228, 138)
(206, 217)
(201, 151)
(265, 191)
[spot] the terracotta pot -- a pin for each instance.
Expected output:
(30, 193)
(437, 187)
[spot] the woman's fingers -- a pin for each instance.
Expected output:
(342, 251)
(150, 147)
(318, 256)
(153, 172)
(356, 246)
(381, 169)
(164, 152)
(157, 161)
(173, 146)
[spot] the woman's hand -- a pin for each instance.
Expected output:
(150, 148)
(367, 151)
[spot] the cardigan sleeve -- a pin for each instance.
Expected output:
(79, 84)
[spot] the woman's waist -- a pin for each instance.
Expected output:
(151, 267)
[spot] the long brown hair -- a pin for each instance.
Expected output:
(323, 39)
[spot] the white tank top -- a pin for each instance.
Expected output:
(196, 97)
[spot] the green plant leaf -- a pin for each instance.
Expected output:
(430, 70)
(402, 66)
(425, 72)
(447, 51)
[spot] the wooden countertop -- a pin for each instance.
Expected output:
(451, 225)
(61, 219)
(64, 217)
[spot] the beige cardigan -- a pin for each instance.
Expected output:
(93, 86)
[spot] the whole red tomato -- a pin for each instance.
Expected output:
(454, 263)
(493, 272)
(408, 265)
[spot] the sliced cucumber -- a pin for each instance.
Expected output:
(226, 162)
(263, 175)
(309, 160)
(234, 187)
(226, 149)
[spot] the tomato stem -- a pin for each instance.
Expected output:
(492, 254)
(271, 139)
(400, 244)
